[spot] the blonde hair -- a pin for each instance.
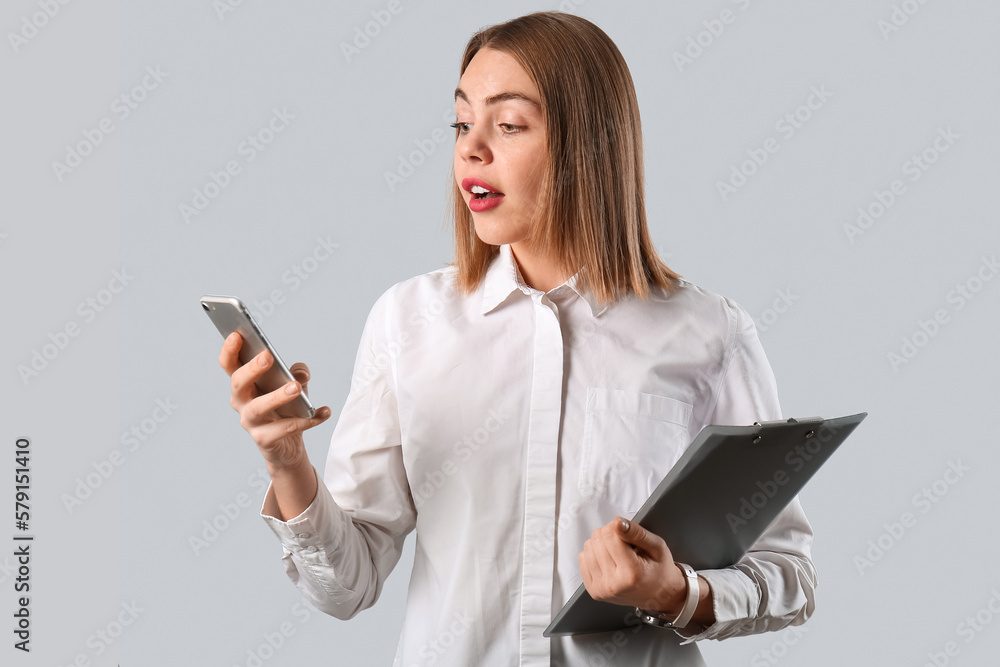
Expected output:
(593, 211)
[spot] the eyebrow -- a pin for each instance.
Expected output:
(499, 97)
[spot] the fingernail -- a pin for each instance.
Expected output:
(262, 360)
(292, 388)
(624, 524)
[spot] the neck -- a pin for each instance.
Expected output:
(539, 272)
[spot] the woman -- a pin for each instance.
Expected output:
(537, 389)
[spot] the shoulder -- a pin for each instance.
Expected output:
(437, 285)
(692, 308)
(426, 295)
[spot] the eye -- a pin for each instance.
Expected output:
(463, 128)
(510, 128)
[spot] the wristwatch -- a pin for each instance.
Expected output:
(658, 620)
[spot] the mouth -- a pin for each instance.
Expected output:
(480, 189)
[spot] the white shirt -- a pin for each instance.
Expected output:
(505, 426)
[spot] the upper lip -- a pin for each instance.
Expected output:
(467, 184)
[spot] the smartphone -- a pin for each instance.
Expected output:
(229, 314)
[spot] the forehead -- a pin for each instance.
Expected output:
(493, 77)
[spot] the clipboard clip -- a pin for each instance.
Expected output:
(791, 420)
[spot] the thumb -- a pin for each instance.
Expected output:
(639, 537)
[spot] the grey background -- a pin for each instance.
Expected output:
(851, 303)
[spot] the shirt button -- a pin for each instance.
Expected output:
(312, 549)
(303, 535)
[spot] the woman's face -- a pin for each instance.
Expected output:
(500, 147)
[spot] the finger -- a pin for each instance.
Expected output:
(270, 432)
(299, 368)
(245, 376)
(301, 373)
(229, 356)
(605, 560)
(259, 409)
(590, 569)
(634, 534)
(621, 552)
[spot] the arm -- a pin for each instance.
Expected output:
(341, 538)
(340, 550)
(771, 587)
(278, 438)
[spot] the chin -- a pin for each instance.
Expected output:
(494, 233)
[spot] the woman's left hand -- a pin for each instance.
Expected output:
(626, 564)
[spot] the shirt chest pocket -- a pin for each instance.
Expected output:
(630, 441)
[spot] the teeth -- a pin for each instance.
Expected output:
(479, 190)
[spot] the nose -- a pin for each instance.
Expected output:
(473, 146)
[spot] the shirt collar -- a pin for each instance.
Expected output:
(503, 278)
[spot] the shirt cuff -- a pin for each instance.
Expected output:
(735, 599)
(321, 523)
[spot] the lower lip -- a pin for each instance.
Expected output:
(480, 205)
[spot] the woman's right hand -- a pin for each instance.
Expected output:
(278, 437)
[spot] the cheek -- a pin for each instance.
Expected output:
(531, 184)
(533, 170)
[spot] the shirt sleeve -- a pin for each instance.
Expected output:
(773, 586)
(340, 550)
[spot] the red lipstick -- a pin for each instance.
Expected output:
(482, 201)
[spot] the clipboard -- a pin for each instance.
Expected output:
(718, 499)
